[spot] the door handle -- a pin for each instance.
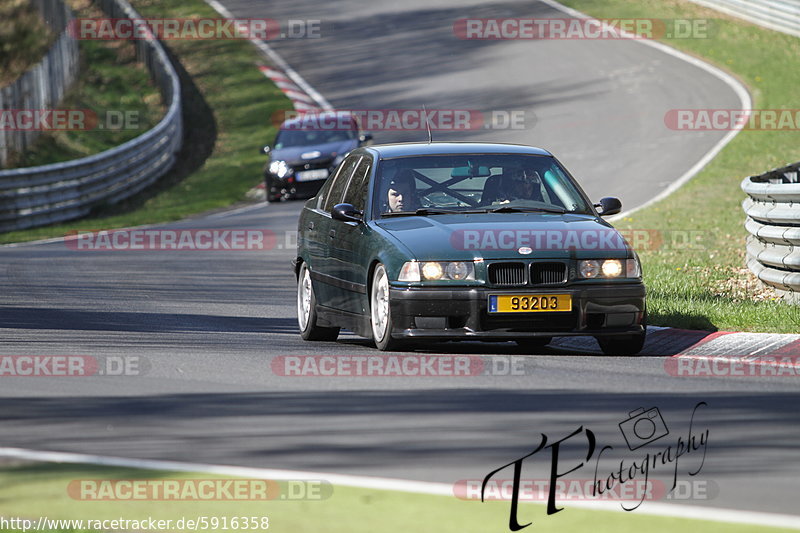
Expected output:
(332, 233)
(311, 224)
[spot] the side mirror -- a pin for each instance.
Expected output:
(346, 213)
(609, 206)
(364, 137)
(265, 149)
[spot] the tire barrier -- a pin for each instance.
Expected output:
(773, 224)
(779, 15)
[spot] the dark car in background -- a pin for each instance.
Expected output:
(306, 150)
(464, 241)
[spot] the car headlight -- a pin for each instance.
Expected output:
(437, 271)
(609, 268)
(280, 168)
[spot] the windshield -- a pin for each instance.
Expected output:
(294, 137)
(475, 183)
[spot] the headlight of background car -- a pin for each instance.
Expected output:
(437, 270)
(609, 268)
(279, 168)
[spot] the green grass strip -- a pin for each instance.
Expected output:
(710, 288)
(35, 490)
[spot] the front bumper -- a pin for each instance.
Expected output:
(291, 188)
(441, 313)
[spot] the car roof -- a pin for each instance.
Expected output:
(388, 151)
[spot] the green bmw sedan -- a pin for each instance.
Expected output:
(464, 241)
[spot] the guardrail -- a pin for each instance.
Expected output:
(43, 85)
(773, 221)
(780, 15)
(46, 194)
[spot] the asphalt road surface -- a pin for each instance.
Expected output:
(205, 327)
(598, 105)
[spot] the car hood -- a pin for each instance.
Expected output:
(502, 235)
(293, 154)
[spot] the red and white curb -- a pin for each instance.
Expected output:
(302, 95)
(739, 351)
(300, 99)
(294, 86)
(303, 87)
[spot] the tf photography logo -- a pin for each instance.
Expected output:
(641, 428)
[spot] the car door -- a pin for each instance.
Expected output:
(347, 245)
(323, 275)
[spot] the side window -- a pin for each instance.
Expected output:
(340, 183)
(356, 192)
(323, 192)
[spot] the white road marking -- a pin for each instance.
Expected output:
(399, 485)
(278, 60)
(733, 83)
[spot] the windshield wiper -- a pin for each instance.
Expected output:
(425, 211)
(509, 209)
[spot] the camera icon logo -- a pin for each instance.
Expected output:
(643, 427)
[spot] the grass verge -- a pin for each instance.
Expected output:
(114, 87)
(24, 39)
(227, 108)
(710, 288)
(43, 490)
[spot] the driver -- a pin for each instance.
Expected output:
(400, 192)
(518, 184)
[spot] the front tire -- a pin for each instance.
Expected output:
(629, 345)
(625, 345)
(307, 310)
(533, 343)
(380, 311)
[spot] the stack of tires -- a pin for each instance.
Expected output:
(773, 222)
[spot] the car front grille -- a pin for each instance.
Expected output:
(313, 165)
(507, 273)
(548, 273)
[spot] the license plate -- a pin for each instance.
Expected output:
(529, 303)
(310, 175)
